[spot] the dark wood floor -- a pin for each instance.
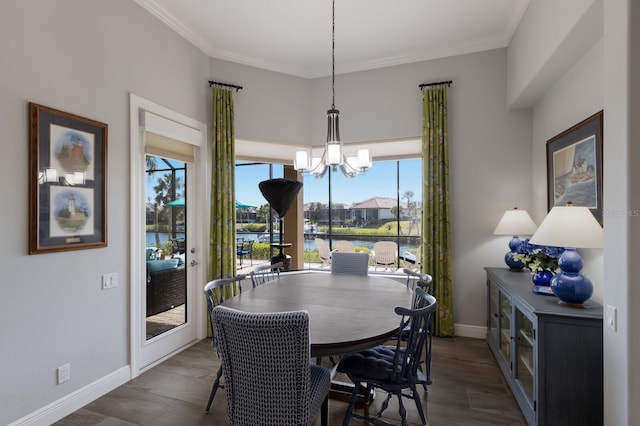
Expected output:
(468, 389)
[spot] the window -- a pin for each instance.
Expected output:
(383, 204)
(254, 219)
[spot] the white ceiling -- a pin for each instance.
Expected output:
(294, 36)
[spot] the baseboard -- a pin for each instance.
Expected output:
(75, 400)
(473, 331)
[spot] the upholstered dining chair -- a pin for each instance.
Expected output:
(275, 385)
(384, 254)
(343, 262)
(394, 369)
(264, 273)
(214, 296)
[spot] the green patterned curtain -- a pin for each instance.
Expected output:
(436, 254)
(222, 251)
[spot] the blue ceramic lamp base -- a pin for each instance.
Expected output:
(570, 286)
(514, 265)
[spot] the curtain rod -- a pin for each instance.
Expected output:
(218, 83)
(438, 83)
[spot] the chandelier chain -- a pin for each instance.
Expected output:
(333, 55)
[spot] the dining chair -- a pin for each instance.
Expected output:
(264, 273)
(384, 254)
(323, 252)
(343, 262)
(424, 281)
(268, 375)
(394, 369)
(345, 246)
(215, 296)
(415, 278)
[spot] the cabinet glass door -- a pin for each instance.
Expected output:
(524, 353)
(505, 325)
(494, 313)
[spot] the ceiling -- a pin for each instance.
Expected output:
(294, 36)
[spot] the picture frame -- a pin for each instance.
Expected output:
(574, 166)
(67, 181)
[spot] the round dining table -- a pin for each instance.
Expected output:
(348, 313)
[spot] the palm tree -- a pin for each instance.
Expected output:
(408, 195)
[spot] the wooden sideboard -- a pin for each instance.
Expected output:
(551, 355)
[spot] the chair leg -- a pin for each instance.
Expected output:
(401, 409)
(324, 412)
(352, 404)
(416, 398)
(214, 388)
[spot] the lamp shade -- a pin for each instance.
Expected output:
(569, 226)
(515, 222)
(302, 160)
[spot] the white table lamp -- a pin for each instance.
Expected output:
(515, 222)
(570, 227)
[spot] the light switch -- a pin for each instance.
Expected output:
(611, 317)
(109, 280)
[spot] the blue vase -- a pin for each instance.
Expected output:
(542, 278)
(542, 282)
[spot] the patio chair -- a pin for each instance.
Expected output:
(264, 273)
(384, 254)
(345, 246)
(394, 369)
(215, 296)
(409, 260)
(276, 384)
(343, 262)
(323, 251)
(245, 248)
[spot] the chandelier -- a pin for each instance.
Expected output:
(333, 156)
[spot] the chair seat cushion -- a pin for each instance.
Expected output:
(375, 363)
(161, 265)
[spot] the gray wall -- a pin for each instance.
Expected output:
(83, 57)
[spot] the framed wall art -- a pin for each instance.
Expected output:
(574, 166)
(67, 181)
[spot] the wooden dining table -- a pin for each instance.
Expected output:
(348, 313)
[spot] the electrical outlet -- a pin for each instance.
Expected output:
(64, 373)
(109, 280)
